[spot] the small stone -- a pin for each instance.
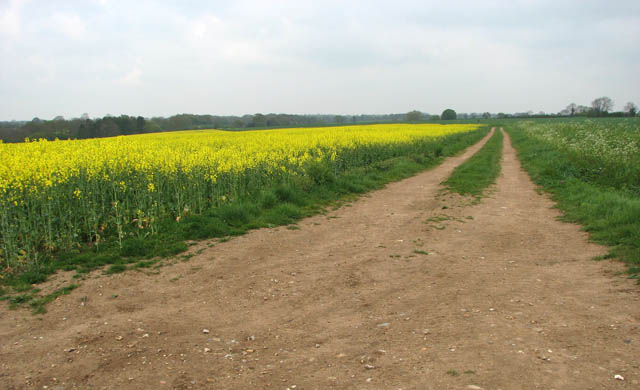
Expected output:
(369, 379)
(119, 338)
(341, 355)
(384, 325)
(207, 350)
(474, 387)
(618, 377)
(205, 331)
(369, 367)
(145, 335)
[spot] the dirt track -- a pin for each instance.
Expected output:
(507, 298)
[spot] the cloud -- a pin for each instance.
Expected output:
(309, 56)
(10, 18)
(132, 77)
(70, 25)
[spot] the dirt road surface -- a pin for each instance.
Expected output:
(506, 297)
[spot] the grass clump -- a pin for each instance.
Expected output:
(480, 171)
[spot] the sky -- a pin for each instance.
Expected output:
(160, 58)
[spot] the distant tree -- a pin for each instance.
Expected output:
(151, 126)
(140, 124)
(414, 116)
(108, 128)
(631, 109)
(435, 117)
(582, 109)
(501, 115)
(601, 106)
(448, 115)
(259, 120)
(58, 118)
(486, 115)
(180, 122)
(84, 116)
(571, 108)
(340, 119)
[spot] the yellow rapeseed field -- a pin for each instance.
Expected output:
(55, 192)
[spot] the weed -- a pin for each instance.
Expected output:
(453, 373)
(420, 252)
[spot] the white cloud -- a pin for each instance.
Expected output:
(132, 77)
(71, 25)
(309, 56)
(10, 18)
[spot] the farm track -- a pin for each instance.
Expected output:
(507, 298)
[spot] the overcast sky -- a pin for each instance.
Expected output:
(347, 57)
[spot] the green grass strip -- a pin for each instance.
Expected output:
(478, 172)
(611, 215)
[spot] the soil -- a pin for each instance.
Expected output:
(506, 297)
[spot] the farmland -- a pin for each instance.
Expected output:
(121, 192)
(410, 285)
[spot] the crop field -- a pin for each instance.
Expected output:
(63, 194)
(601, 151)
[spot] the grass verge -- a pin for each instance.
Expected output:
(611, 215)
(478, 172)
(281, 204)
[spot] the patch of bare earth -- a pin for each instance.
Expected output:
(506, 298)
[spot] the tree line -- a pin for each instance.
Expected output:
(110, 126)
(600, 107)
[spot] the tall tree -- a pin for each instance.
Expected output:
(602, 105)
(414, 116)
(140, 124)
(259, 120)
(449, 114)
(631, 109)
